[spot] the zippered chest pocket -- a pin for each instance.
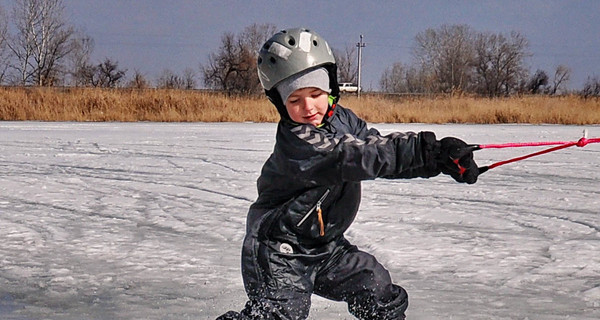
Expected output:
(317, 208)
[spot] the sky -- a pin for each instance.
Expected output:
(153, 35)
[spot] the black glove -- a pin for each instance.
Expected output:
(431, 150)
(456, 159)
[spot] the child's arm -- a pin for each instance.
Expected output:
(322, 159)
(326, 160)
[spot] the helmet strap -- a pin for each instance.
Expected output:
(275, 99)
(331, 108)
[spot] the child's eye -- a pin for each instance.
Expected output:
(316, 94)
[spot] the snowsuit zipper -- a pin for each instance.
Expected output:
(317, 208)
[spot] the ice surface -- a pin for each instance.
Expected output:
(145, 221)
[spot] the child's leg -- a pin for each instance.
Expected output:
(357, 278)
(279, 284)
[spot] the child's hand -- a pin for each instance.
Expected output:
(456, 160)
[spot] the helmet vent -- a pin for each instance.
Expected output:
(292, 41)
(273, 60)
(315, 43)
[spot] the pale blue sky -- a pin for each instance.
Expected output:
(153, 35)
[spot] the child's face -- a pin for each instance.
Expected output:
(308, 105)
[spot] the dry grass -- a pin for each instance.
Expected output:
(85, 104)
(452, 109)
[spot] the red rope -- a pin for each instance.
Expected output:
(529, 155)
(561, 145)
(537, 144)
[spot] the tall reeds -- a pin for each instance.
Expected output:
(467, 109)
(88, 104)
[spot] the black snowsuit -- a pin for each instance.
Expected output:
(309, 192)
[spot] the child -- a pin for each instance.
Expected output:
(309, 190)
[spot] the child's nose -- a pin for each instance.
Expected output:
(307, 103)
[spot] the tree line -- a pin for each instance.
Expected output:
(39, 47)
(455, 58)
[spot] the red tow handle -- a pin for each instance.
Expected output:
(559, 145)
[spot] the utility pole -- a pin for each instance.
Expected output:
(360, 45)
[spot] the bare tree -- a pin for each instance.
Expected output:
(255, 35)
(347, 64)
(403, 78)
(416, 80)
(537, 83)
(499, 63)
(591, 88)
(233, 68)
(42, 40)
(393, 79)
(189, 79)
(446, 55)
(561, 76)
(138, 81)
(107, 74)
(455, 58)
(226, 68)
(80, 68)
(4, 53)
(19, 45)
(169, 80)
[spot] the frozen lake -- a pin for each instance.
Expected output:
(145, 221)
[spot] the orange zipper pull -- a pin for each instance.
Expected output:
(321, 224)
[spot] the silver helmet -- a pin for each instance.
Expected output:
(289, 52)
